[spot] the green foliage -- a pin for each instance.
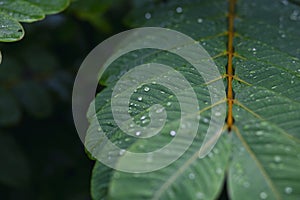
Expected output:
(260, 158)
(12, 158)
(13, 12)
(27, 83)
(95, 12)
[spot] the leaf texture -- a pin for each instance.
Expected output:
(261, 154)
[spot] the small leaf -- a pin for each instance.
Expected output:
(21, 11)
(12, 12)
(10, 29)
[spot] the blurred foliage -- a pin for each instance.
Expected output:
(98, 13)
(41, 155)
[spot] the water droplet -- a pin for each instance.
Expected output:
(172, 133)
(146, 89)
(122, 151)
(199, 195)
(199, 20)
(162, 92)
(169, 103)
(288, 190)
(159, 110)
(259, 133)
(263, 195)
(191, 176)
(219, 171)
(273, 87)
(217, 114)
(140, 98)
(205, 120)
(253, 49)
(277, 159)
(179, 10)
(138, 133)
(143, 117)
(295, 15)
(285, 2)
(148, 15)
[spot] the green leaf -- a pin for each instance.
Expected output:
(189, 177)
(51, 7)
(10, 29)
(95, 12)
(12, 12)
(9, 108)
(14, 168)
(21, 10)
(265, 140)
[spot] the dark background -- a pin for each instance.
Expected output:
(41, 155)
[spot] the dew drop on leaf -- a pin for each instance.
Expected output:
(217, 114)
(285, 2)
(143, 117)
(219, 171)
(146, 89)
(199, 195)
(263, 195)
(159, 110)
(140, 98)
(288, 190)
(295, 15)
(205, 120)
(172, 133)
(121, 152)
(259, 133)
(192, 176)
(199, 20)
(148, 15)
(179, 10)
(138, 133)
(277, 159)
